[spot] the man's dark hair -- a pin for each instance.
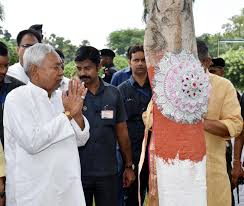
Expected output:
(218, 63)
(107, 52)
(3, 49)
(128, 51)
(37, 27)
(202, 50)
(134, 49)
(21, 34)
(88, 52)
(60, 53)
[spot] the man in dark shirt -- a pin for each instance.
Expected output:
(107, 57)
(104, 109)
(7, 83)
(123, 74)
(136, 93)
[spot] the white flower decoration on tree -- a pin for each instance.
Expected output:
(181, 87)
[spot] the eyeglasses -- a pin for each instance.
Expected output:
(26, 45)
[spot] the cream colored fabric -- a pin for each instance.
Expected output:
(2, 161)
(223, 106)
(152, 195)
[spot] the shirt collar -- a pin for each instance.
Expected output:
(101, 87)
(134, 83)
(132, 80)
(127, 70)
(6, 79)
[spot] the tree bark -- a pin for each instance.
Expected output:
(170, 27)
(177, 149)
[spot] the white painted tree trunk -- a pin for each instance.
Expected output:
(179, 154)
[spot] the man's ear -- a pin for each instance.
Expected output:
(33, 72)
(17, 49)
(129, 62)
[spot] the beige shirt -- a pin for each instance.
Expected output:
(223, 106)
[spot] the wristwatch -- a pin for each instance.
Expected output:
(132, 166)
(68, 114)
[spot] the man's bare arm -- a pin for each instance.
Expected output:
(216, 128)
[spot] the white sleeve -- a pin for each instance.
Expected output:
(28, 133)
(81, 135)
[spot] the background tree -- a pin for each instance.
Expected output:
(236, 26)
(120, 62)
(1, 12)
(233, 30)
(6, 35)
(120, 40)
(234, 69)
(69, 69)
(11, 44)
(64, 45)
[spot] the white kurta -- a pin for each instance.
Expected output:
(42, 160)
(18, 72)
(64, 85)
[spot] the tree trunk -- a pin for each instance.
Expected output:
(180, 88)
(1, 12)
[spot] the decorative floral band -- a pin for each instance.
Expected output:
(181, 87)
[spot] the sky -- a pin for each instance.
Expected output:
(94, 20)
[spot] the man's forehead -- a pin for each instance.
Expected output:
(138, 55)
(28, 38)
(86, 62)
(53, 57)
(4, 59)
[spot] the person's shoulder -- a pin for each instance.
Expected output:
(113, 69)
(13, 81)
(19, 92)
(220, 81)
(125, 84)
(117, 74)
(113, 90)
(122, 71)
(14, 68)
(109, 86)
(15, 65)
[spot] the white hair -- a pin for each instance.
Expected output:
(36, 54)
